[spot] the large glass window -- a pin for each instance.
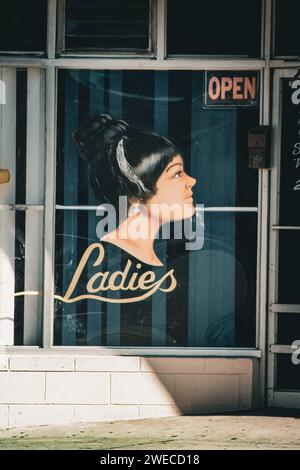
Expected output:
(214, 28)
(23, 26)
(214, 303)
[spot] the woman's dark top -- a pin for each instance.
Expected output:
(144, 305)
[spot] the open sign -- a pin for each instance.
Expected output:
(231, 89)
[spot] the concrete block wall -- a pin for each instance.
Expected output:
(43, 389)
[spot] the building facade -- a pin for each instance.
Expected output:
(222, 82)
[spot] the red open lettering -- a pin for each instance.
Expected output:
(250, 88)
(214, 88)
(226, 85)
(237, 94)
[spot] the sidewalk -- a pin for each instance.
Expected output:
(279, 429)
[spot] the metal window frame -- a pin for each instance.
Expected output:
(159, 64)
(52, 65)
(149, 53)
(263, 204)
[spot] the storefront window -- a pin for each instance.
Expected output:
(213, 304)
(286, 28)
(23, 26)
(106, 25)
(22, 135)
(214, 28)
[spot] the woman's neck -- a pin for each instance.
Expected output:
(136, 234)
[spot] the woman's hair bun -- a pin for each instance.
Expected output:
(97, 133)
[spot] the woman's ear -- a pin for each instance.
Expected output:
(134, 209)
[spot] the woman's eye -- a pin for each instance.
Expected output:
(178, 174)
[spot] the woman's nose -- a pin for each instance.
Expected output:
(191, 182)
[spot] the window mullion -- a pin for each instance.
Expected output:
(49, 203)
(161, 29)
(51, 32)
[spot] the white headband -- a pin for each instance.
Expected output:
(126, 168)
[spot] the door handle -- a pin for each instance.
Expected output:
(4, 176)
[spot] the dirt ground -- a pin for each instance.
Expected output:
(272, 430)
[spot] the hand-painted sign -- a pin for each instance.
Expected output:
(290, 153)
(231, 89)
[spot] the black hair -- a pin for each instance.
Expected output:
(110, 174)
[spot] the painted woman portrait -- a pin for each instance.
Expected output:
(146, 168)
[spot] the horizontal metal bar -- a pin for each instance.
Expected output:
(281, 349)
(78, 208)
(133, 63)
(201, 209)
(227, 209)
(21, 207)
(285, 227)
(132, 36)
(285, 308)
(286, 399)
(22, 53)
(137, 351)
(167, 64)
(23, 62)
(103, 7)
(85, 52)
(101, 21)
(284, 63)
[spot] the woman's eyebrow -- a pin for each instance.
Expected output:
(174, 164)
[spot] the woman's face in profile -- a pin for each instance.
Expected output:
(174, 197)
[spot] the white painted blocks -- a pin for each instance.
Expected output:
(3, 416)
(39, 415)
(22, 387)
(242, 366)
(207, 390)
(107, 363)
(77, 387)
(149, 411)
(173, 365)
(94, 413)
(218, 366)
(41, 389)
(246, 382)
(3, 363)
(146, 389)
(42, 363)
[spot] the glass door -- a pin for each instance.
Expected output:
(284, 262)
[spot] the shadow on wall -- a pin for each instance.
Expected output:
(165, 386)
